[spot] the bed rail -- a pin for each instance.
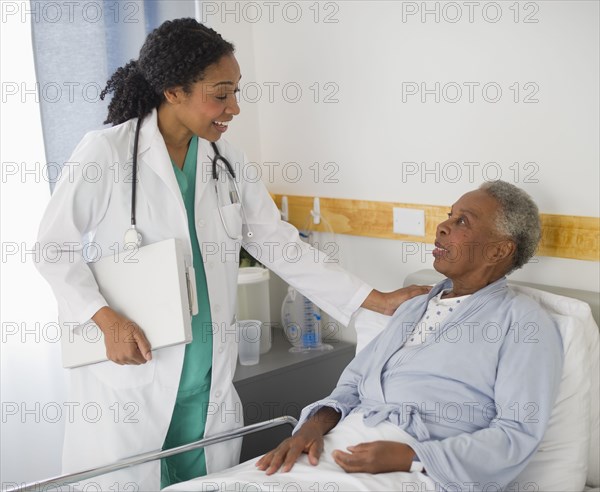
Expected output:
(155, 455)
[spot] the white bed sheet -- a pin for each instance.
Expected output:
(327, 475)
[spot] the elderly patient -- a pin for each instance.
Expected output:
(454, 394)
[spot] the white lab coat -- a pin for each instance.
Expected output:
(119, 411)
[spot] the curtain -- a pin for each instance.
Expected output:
(77, 46)
(70, 49)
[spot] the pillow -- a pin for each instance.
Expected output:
(368, 324)
(569, 451)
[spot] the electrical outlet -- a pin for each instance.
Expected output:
(409, 221)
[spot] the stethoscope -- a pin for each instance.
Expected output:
(133, 236)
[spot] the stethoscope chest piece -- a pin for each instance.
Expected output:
(132, 239)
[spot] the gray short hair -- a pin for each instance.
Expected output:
(518, 218)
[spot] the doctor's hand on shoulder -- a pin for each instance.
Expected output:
(125, 341)
(388, 302)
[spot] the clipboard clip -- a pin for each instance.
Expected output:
(190, 280)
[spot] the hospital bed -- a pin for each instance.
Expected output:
(71, 478)
(568, 457)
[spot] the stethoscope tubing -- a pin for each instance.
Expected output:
(230, 173)
(136, 142)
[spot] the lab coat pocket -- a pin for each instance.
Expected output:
(124, 377)
(230, 218)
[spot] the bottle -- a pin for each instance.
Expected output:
(253, 301)
(302, 323)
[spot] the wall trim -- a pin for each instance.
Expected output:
(563, 236)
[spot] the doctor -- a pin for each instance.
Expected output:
(182, 91)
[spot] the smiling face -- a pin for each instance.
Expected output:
(469, 250)
(207, 108)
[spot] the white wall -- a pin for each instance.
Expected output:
(377, 48)
(33, 389)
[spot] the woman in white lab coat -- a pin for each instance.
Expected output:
(182, 89)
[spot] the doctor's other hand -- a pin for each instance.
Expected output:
(125, 341)
(375, 457)
(309, 440)
(388, 302)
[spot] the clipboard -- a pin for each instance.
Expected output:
(150, 285)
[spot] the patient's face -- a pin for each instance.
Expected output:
(467, 240)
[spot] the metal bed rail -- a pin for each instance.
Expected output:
(154, 455)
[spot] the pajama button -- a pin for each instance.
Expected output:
(221, 350)
(201, 223)
(217, 394)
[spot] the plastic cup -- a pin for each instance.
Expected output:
(249, 345)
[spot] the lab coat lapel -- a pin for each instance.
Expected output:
(203, 170)
(153, 154)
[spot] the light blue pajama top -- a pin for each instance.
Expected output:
(476, 398)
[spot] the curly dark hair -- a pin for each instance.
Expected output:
(175, 54)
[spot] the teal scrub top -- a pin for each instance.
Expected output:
(191, 406)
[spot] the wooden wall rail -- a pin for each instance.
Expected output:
(563, 236)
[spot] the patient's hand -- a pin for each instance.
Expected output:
(308, 439)
(375, 457)
(387, 303)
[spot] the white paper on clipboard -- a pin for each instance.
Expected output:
(151, 286)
